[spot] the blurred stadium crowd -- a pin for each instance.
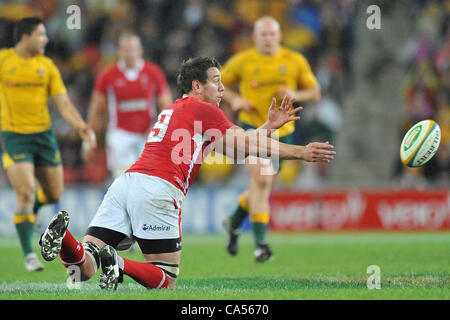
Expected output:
(427, 88)
(172, 31)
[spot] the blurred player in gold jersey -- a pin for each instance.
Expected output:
(27, 79)
(268, 70)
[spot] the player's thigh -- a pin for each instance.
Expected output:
(21, 177)
(51, 180)
(173, 257)
(49, 170)
(112, 214)
(153, 206)
(261, 172)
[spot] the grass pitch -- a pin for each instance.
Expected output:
(306, 266)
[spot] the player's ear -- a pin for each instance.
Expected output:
(196, 85)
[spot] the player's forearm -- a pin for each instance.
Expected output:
(308, 95)
(69, 112)
(95, 112)
(266, 129)
(72, 116)
(95, 120)
(263, 146)
(313, 152)
(240, 144)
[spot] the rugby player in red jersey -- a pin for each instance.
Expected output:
(127, 92)
(145, 201)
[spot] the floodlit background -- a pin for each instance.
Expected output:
(376, 83)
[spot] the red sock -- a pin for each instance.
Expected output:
(147, 274)
(72, 251)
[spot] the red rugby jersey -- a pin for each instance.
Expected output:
(176, 144)
(131, 101)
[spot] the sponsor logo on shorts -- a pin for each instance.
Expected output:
(19, 156)
(154, 227)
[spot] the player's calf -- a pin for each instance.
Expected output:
(57, 240)
(152, 275)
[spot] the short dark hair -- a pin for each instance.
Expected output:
(25, 26)
(195, 69)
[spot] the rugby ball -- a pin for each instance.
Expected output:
(420, 143)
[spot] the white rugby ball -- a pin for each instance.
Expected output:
(420, 143)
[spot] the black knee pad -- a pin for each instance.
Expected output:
(93, 250)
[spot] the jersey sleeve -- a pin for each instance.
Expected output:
(231, 71)
(212, 118)
(101, 83)
(3, 54)
(56, 84)
(306, 76)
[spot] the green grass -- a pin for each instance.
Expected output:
(306, 266)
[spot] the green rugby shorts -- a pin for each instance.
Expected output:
(39, 148)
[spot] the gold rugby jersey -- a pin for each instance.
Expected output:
(259, 77)
(25, 85)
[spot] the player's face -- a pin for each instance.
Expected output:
(213, 88)
(267, 37)
(37, 40)
(130, 50)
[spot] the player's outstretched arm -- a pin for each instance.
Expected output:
(279, 117)
(238, 143)
(71, 115)
(318, 152)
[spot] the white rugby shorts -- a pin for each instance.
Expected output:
(141, 205)
(123, 148)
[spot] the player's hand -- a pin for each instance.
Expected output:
(284, 114)
(88, 144)
(238, 103)
(88, 136)
(318, 152)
